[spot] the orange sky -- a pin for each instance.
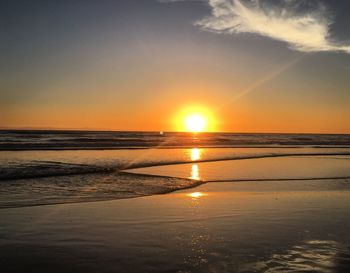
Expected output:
(142, 71)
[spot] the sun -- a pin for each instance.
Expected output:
(195, 118)
(195, 123)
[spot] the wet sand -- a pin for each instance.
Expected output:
(293, 218)
(32, 178)
(216, 227)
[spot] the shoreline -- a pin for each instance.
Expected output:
(193, 186)
(237, 227)
(101, 169)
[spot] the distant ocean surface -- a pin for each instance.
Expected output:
(70, 140)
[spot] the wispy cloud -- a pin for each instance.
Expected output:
(303, 29)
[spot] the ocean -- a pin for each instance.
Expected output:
(61, 140)
(49, 167)
(76, 201)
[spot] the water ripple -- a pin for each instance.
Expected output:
(310, 256)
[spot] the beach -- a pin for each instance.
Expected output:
(275, 208)
(216, 227)
(175, 136)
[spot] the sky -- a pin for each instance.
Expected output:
(253, 66)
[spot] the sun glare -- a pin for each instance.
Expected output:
(194, 172)
(195, 154)
(196, 195)
(195, 123)
(195, 119)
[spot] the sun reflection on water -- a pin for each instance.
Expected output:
(194, 172)
(195, 194)
(198, 233)
(195, 154)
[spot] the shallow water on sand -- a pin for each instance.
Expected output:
(66, 162)
(81, 176)
(216, 227)
(281, 225)
(250, 226)
(270, 168)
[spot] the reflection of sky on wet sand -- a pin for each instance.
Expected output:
(308, 256)
(216, 227)
(198, 233)
(321, 255)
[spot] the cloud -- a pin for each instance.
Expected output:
(303, 26)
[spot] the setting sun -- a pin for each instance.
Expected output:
(195, 119)
(196, 123)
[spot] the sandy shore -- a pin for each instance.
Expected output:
(216, 227)
(294, 217)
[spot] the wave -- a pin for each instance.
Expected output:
(37, 169)
(86, 188)
(82, 140)
(32, 183)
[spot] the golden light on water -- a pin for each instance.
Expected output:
(195, 154)
(196, 194)
(194, 172)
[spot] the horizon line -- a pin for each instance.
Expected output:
(154, 131)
